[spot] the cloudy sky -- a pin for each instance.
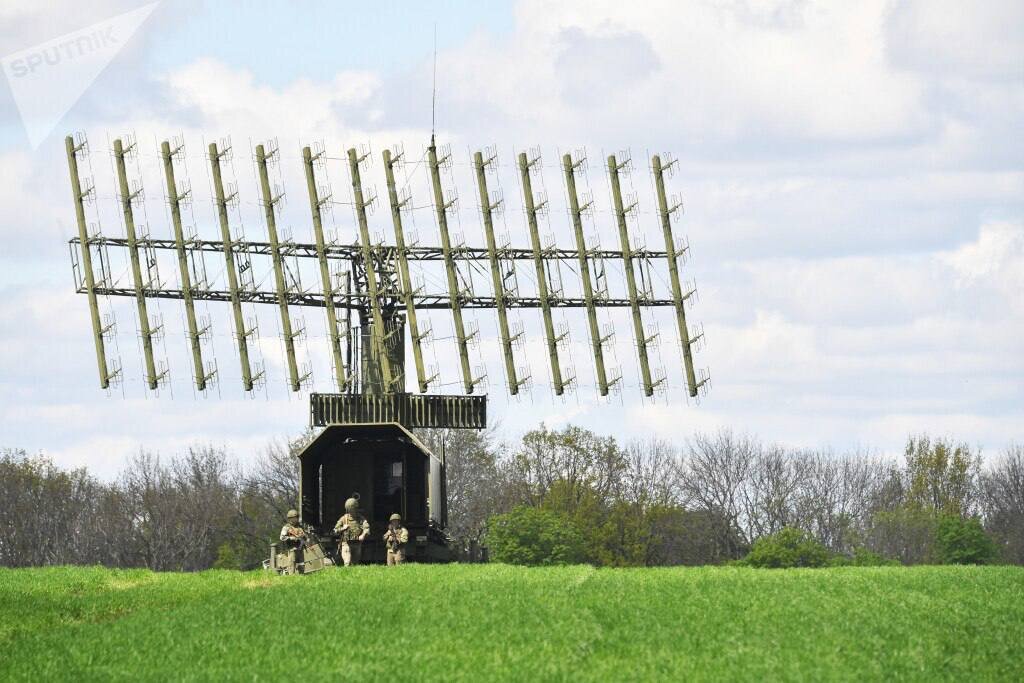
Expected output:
(852, 175)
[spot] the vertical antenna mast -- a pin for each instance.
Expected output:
(403, 266)
(433, 89)
(127, 197)
(455, 296)
(542, 281)
(487, 209)
(627, 265)
(269, 203)
(325, 274)
(174, 198)
(90, 281)
(678, 298)
(229, 260)
(378, 331)
(575, 210)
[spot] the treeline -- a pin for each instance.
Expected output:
(584, 497)
(194, 511)
(555, 495)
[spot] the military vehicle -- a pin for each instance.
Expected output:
(388, 470)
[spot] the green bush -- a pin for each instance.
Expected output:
(964, 541)
(532, 536)
(789, 547)
(862, 557)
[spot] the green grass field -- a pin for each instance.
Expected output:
(493, 622)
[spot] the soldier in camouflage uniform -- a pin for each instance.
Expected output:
(293, 535)
(352, 530)
(395, 539)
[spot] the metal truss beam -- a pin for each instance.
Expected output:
(356, 301)
(349, 252)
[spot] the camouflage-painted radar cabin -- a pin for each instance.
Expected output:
(390, 471)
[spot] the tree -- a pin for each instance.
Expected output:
(964, 541)
(905, 533)
(53, 516)
(265, 494)
(715, 472)
(789, 547)
(476, 484)
(532, 536)
(274, 479)
(581, 460)
(181, 512)
(1002, 502)
(940, 475)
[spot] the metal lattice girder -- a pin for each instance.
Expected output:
(678, 298)
(126, 198)
(174, 199)
(229, 258)
(320, 251)
(84, 243)
(627, 264)
(454, 294)
(349, 252)
(403, 265)
(356, 301)
(500, 299)
(576, 211)
(410, 410)
(542, 279)
(378, 332)
(269, 202)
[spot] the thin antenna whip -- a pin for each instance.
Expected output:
(433, 89)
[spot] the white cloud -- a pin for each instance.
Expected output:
(960, 40)
(856, 224)
(995, 262)
(705, 73)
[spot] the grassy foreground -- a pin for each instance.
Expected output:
(507, 623)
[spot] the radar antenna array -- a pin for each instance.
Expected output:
(379, 286)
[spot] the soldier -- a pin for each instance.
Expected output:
(395, 538)
(353, 530)
(293, 535)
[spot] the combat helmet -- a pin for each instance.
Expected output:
(395, 518)
(352, 505)
(292, 513)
